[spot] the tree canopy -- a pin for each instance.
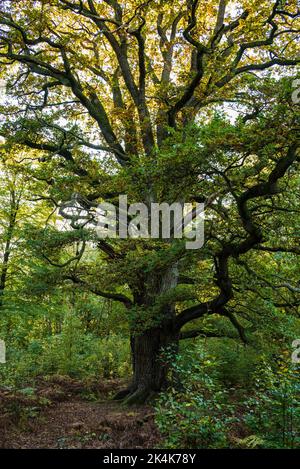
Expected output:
(164, 101)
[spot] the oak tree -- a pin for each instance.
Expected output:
(120, 98)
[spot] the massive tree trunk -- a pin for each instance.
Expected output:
(149, 363)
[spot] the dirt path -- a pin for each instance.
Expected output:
(74, 422)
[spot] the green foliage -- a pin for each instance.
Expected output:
(213, 391)
(194, 412)
(86, 121)
(83, 355)
(274, 410)
(235, 362)
(87, 358)
(71, 352)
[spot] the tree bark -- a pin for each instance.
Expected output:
(150, 366)
(8, 236)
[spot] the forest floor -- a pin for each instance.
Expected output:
(60, 412)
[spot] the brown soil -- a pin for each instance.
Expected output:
(64, 413)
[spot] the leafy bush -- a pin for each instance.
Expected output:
(193, 412)
(274, 411)
(235, 363)
(71, 352)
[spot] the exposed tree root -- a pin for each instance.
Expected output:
(140, 396)
(120, 395)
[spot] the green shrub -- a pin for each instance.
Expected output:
(274, 411)
(193, 412)
(72, 352)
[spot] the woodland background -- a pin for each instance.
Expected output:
(141, 343)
